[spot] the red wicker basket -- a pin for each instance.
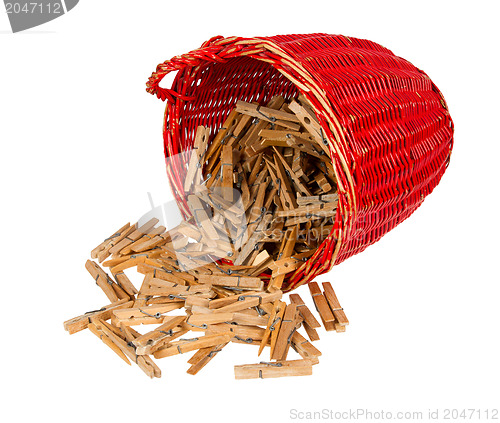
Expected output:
(387, 124)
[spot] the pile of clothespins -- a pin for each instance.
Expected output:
(262, 196)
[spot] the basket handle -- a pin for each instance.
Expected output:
(208, 52)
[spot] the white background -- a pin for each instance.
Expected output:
(82, 146)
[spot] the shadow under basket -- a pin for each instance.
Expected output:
(387, 125)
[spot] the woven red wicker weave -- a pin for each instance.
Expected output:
(387, 124)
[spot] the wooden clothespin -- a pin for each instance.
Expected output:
(153, 340)
(201, 217)
(341, 320)
(102, 280)
(275, 326)
(227, 172)
(202, 357)
(265, 370)
(123, 281)
(284, 266)
(253, 241)
(251, 335)
(76, 324)
(305, 348)
(252, 134)
(253, 299)
(290, 201)
(322, 306)
(186, 345)
(202, 320)
(310, 122)
(145, 363)
(273, 319)
(318, 210)
(132, 261)
(286, 250)
(111, 332)
(317, 199)
(226, 134)
(270, 115)
(301, 187)
(197, 157)
(134, 236)
(245, 318)
(129, 249)
(304, 311)
(257, 210)
(255, 169)
(241, 282)
(299, 163)
(119, 233)
(322, 182)
(152, 314)
(288, 324)
(97, 331)
(311, 332)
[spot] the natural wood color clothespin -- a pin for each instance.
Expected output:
(202, 357)
(248, 300)
(120, 232)
(242, 333)
(203, 320)
(265, 370)
(201, 217)
(129, 351)
(228, 128)
(311, 332)
(267, 114)
(197, 157)
(76, 324)
(273, 320)
(129, 249)
(134, 236)
(286, 250)
(227, 172)
(287, 326)
(107, 340)
(242, 282)
(253, 240)
(256, 168)
(337, 310)
(132, 261)
(321, 306)
(304, 311)
(301, 187)
(298, 164)
(150, 314)
(305, 348)
(276, 325)
(322, 182)
(310, 122)
(244, 318)
(102, 279)
(290, 201)
(256, 210)
(151, 341)
(145, 363)
(317, 199)
(184, 346)
(123, 281)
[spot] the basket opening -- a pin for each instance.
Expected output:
(218, 86)
(215, 89)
